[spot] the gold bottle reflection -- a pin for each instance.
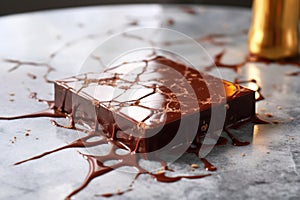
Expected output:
(274, 29)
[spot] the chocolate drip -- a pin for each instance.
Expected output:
(98, 168)
(82, 142)
(235, 141)
(222, 141)
(51, 111)
(208, 166)
(44, 113)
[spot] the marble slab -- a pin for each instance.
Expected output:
(268, 168)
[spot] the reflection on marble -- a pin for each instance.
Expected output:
(268, 168)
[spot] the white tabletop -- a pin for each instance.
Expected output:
(268, 168)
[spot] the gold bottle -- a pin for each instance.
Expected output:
(274, 29)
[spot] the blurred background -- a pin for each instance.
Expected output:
(17, 6)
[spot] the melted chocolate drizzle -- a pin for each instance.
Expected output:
(294, 61)
(19, 63)
(51, 111)
(235, 141)
(98, 168)
(218, 62)
(208, 166)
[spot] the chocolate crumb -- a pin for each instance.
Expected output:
(269, 115)
(204, 127)
(27, 132)
(11, 94)
(13, 140)
(243, 154)
(291, 138)
(170, 22)
(194, 166)
(133, 23)
(227, 106)
(32, 76)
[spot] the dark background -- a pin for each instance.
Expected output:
(18, 6)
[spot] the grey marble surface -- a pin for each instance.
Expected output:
(269, 168)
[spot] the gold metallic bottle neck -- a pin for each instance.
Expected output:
(274, 29)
